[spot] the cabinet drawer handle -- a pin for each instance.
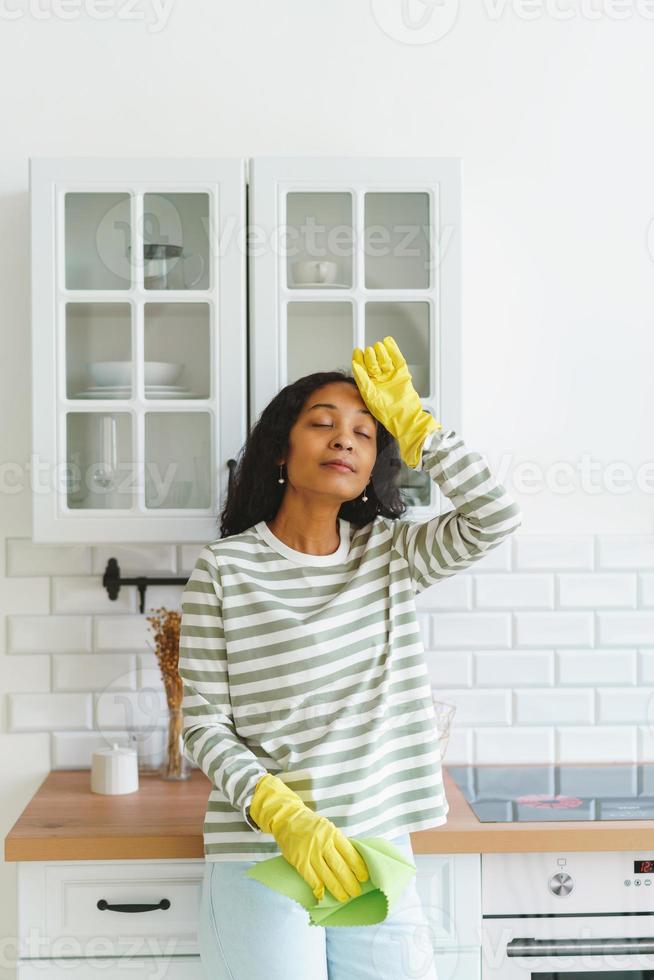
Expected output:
(593, 947)
(163, 904)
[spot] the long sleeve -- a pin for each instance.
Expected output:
(209, 734)
(484, 515)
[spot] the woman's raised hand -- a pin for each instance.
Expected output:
(384, 382)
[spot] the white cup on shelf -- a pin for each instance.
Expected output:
(314, 272)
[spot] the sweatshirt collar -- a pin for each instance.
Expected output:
(300, 557)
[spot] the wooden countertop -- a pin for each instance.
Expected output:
(65, 821)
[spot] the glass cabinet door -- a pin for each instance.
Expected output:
(98, 232)
(139, 406)
(320, 240)
(359, 256)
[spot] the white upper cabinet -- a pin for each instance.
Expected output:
(139, 346)
(343, 252)
(141, 322)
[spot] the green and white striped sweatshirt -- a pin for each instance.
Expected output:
(312, 667)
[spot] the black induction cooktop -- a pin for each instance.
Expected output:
(584, 791)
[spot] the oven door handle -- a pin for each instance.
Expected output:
(567, 947)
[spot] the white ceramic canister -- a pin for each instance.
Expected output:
(114, 770)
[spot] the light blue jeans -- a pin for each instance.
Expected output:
(249, 932)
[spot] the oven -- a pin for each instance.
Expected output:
(563, 916)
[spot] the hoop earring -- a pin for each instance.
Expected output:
(281, 478)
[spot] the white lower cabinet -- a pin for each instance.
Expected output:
(179, 968)
(113, 919)
(61, 909)
(462, 964)
(449, 886)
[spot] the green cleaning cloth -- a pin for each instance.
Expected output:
(389, 869)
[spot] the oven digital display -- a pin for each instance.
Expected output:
(643, 867)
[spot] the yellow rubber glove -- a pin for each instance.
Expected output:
(384, 381)
(312, 844)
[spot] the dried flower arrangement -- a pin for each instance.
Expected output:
(165, 624)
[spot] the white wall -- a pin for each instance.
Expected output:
(552, 117)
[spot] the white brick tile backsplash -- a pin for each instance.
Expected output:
(88, 595)
(597, 590)
(596, 743)
(18, 597)
(647, 590)
(645, 744)
(646, 666)
(597, 667)
(26, 675)
(48, 634)
(452, 593)
(459, 749)
(470, 630)
(449, 668)
(150, 678)
(553, 552)
(514, 591)
(628, 628)
(169, 596)
(26, 558)
(131, 633)
(94, 672)
(635, 551)
(513, 744)
(74, 750)
(424, 624)
(553, 629)
(513, 669)
(125, 709)
(47, 712)
(554, 707)
(626, 705)
(480, 707)
(136, 559)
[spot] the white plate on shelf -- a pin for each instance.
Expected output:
(128, 388)
(173, 393)
(125, 393)
(319, 285)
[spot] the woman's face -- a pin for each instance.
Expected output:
(334, 423)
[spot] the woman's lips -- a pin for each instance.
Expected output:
(338, 466)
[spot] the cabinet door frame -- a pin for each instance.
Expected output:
(225, 181)
(270, 179)
(58, 899)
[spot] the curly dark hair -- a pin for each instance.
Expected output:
(254, 493)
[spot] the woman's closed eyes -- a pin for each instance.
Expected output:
(323, 425)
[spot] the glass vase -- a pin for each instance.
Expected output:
(175, 765)
(150, 744)
(444, 713)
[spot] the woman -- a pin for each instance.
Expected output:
(307, 699)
